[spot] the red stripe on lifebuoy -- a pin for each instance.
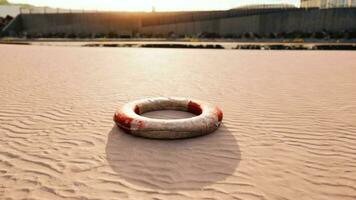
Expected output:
(123, 120)
(194, 108)
(140, 124)
(137, 110)
(219, 114)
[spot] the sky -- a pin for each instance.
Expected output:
(146, 5)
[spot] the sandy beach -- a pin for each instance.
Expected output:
(289, 129)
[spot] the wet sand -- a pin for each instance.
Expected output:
(289, 127)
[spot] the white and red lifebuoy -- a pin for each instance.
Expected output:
(208, 118)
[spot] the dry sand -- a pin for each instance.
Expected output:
(289, 127)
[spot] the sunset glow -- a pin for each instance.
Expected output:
(148, 5)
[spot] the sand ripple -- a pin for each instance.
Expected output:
(289, 124)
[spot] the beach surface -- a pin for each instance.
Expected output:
(289, 128)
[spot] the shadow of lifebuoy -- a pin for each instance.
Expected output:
(188, 164)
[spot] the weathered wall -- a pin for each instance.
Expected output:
(77, 23)
(12, 28)
(190, 23)
(285, 21)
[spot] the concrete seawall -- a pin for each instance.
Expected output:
(221, 22)
(285, 21)
(77, 23)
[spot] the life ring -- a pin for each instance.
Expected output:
(208, 118)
